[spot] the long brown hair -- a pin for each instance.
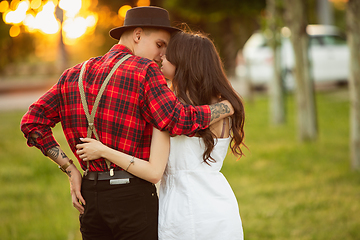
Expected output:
(199, 77)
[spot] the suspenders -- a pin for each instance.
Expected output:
(91, 116)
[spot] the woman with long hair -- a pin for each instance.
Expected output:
(195, 199)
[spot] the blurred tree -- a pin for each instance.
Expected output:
(353, 23)
(63, 58)
(295, 16)
(229, 23)
(13, 49)
(325, 12)
(274, 10)
(20, 49)
(5, 45)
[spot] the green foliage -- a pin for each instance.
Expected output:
(13, 49)
(229, 23)
(204, 8)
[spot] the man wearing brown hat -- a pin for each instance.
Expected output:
(116, 98)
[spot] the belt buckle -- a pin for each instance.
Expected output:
(119, 181)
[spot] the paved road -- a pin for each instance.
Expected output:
(18, 100)
(23, 99)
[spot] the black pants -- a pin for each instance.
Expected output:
(121, 212)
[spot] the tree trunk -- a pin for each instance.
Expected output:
(325, 12)
(353, 24)
(276, 88)
(228, 44)
(62, 61)
(307, 120)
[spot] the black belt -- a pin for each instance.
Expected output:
(106, 175)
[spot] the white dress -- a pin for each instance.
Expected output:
(195, 199)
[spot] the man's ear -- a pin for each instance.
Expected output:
(137, 33)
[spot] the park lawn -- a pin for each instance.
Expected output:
(286, 189)
(35, 201)
(292, 190)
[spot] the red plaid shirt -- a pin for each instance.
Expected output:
(136, 99)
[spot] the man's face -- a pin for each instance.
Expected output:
(152, 44)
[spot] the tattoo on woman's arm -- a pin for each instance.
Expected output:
(217, 109)
(53, 153)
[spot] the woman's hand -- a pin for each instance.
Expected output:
(91, 149)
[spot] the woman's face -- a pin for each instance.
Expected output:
(167, 68)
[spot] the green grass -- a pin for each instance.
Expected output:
(292, 190)
(286, 189)
(35, 200)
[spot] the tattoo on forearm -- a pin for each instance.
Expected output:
(53, 153)
(217, 109)
(68, 173)
(63, 155)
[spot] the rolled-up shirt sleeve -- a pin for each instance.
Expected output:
(163, 109)
(41, 116)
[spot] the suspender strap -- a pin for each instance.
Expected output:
(91, 116)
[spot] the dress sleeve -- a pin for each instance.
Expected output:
(40, 118)
(163, 110)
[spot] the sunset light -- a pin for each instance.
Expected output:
(76, 27)
(17, 16)
(37, 15)
(123, 10)
(72, 18)
(71, 7)
(35, 4)
(4, 6)
(45, 20)
(142, 3)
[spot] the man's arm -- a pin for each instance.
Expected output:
(38, 121)
(59, 157)
(220, 110)
(165, 111)
(36, 125)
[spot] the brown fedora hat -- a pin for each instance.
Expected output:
(144, 17)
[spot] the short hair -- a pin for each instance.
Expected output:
(147, 30)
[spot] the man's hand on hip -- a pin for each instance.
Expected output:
(75, 179)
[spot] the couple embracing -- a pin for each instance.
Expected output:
(146, 131)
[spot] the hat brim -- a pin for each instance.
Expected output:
(117, 32)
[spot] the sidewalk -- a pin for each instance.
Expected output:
(18, 100)
(19, 96)
(18, 93)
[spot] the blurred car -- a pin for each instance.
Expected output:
(328, 53)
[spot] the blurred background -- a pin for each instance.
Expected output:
(290, 185)
(45, 37)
